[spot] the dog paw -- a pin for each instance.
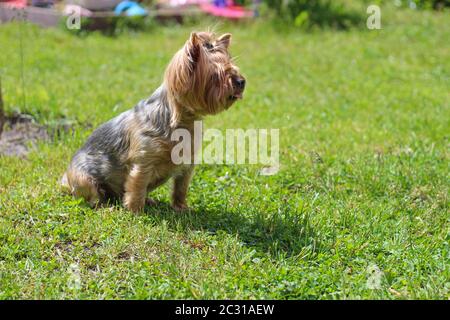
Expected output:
(150, 202)
(134, 205)
(180, 207)
(135, 208)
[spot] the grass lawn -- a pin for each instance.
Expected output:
(359, 208)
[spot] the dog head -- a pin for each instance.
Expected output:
(202, 77)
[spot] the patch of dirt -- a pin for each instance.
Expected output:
(21, 133)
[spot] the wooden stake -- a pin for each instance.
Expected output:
(2, 111)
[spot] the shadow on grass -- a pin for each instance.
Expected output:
(286, 234)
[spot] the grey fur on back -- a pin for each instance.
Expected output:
(100, 157)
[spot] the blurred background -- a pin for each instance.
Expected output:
(112, 14)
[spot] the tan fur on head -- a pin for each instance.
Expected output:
(80, 185)
(199, 78)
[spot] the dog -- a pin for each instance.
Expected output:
(129, 156)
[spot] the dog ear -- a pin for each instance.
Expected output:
(224, 40)
(193, 48)
(180, 73)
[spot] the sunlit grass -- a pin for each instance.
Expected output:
(363, 184)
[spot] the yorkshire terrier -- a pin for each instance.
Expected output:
(130, 155)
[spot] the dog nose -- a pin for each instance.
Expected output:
(240, 83)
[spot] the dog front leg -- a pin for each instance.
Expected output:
(136, 189)
(180, 187)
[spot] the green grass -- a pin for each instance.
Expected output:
(361, 196)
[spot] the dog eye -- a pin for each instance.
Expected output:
(208, 45)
